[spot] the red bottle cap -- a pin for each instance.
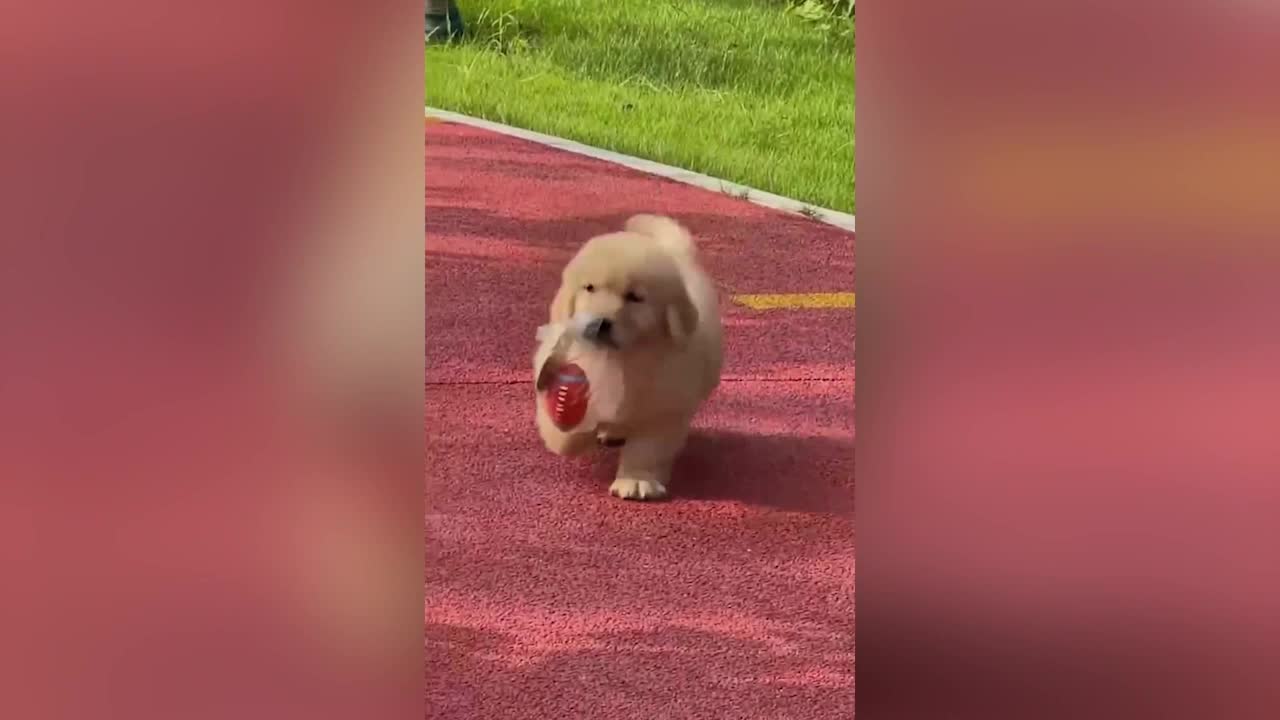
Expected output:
(566, 397)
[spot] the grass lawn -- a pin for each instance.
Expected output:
(736, 89)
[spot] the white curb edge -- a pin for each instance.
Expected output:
(759, 197)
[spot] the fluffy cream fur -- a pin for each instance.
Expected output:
(665, 336)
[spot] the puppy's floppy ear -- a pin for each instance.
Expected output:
(562, 303)
(681, 317)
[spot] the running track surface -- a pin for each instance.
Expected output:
(548, 599)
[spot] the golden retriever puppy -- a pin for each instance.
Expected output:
(640, 299)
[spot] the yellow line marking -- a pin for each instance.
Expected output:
(795, 301)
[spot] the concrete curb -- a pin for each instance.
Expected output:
(758, 197)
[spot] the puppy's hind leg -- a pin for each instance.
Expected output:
(644, 466)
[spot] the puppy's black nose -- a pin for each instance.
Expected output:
(600, 329)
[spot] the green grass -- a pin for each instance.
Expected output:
(736, 89)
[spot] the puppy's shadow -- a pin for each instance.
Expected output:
(791, 473)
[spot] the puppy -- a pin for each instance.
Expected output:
(642, 300)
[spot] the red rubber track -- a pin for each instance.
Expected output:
(548, 599)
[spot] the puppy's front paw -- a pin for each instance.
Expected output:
(637, 489)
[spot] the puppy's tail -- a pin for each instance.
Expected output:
(671, 235)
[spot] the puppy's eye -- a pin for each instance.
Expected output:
(631, 296)
(589, 288)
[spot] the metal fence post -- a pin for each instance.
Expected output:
(443, 21)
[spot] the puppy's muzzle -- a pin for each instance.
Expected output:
(600, 330)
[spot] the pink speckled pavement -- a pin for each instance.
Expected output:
(548, 599)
